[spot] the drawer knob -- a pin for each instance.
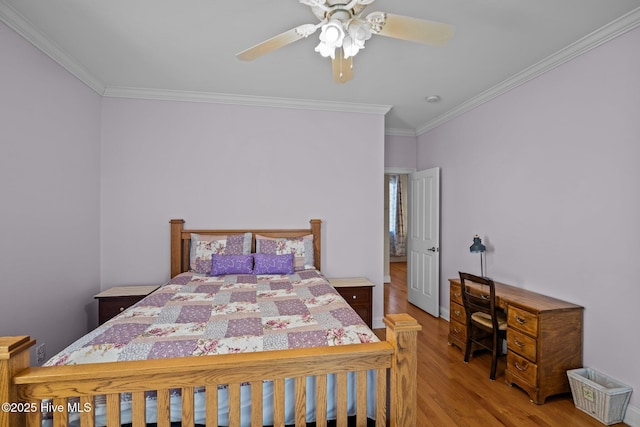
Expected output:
(353, 297)
(518, 343)
(457, 312)
(121, 308)
(521, 320)
(521, 368)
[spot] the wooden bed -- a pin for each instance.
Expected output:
(25, 390)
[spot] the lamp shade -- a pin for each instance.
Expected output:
(477, 246)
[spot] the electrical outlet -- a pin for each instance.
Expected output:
(41, 353)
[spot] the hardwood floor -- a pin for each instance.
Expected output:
(452, 393)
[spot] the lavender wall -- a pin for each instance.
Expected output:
(400, 152)
(237, 166)
(49, 180)
(551, 171)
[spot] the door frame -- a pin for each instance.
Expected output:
(392, 171)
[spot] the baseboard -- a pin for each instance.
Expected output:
(632, 416)
(387, 279)
(378, 323)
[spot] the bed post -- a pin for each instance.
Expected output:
(315, 230)
(176, 246)
(14, 357)
(402, 333)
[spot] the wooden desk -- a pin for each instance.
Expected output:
(544, 338)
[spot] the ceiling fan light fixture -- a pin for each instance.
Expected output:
(333, 34)
(350, 47)
(359, 32)
(331, 38)
(314, 3)
(343, 26)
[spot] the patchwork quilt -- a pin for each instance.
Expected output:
(195, 315)
(201, 315)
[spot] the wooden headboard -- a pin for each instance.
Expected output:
(181, 241)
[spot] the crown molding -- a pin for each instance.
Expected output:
(400, 132)
(233, 99)
(398, 171)
(600, 36)
(28, 31)
(22, 26)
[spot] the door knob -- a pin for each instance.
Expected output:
(433, 249)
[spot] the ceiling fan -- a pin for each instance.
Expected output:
(344, 31)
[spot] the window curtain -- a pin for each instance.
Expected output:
(397, 230)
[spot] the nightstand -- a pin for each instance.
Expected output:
(357, 291)
(117, 299)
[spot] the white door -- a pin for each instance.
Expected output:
(423, 242)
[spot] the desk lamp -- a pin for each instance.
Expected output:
(478, 248)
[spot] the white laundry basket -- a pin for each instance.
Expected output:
(598, 395)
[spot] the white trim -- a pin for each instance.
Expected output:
(400, 132)
(398, 171)
(602, 35)
(632, 416)
(378, 323)
(386, 279)
(32, 34)
(29, 32)
(232, 99)
(22, 26)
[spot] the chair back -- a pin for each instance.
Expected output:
(480, 297)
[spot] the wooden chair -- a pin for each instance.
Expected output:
(486, 323)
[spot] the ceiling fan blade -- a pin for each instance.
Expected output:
(277, 42)
(412, 29)
(342, 67)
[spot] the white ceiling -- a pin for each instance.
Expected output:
(185, 49)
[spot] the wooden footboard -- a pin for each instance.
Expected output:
(23, 389)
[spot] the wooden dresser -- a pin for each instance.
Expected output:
(117, 299)
(357, 291)
(544, 338)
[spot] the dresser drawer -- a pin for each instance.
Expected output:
(523, 320)
(354, 296)
(457, 313)
(455, 293)
(110, 307)
(522, 344)
(523, 368)
(458, 331)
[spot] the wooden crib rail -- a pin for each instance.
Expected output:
(397, 354)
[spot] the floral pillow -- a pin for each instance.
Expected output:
(300, 247)
(204, 246)
(231, 264)
(273, 264)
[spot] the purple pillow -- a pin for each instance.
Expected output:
(273, 264)
(231, 264)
